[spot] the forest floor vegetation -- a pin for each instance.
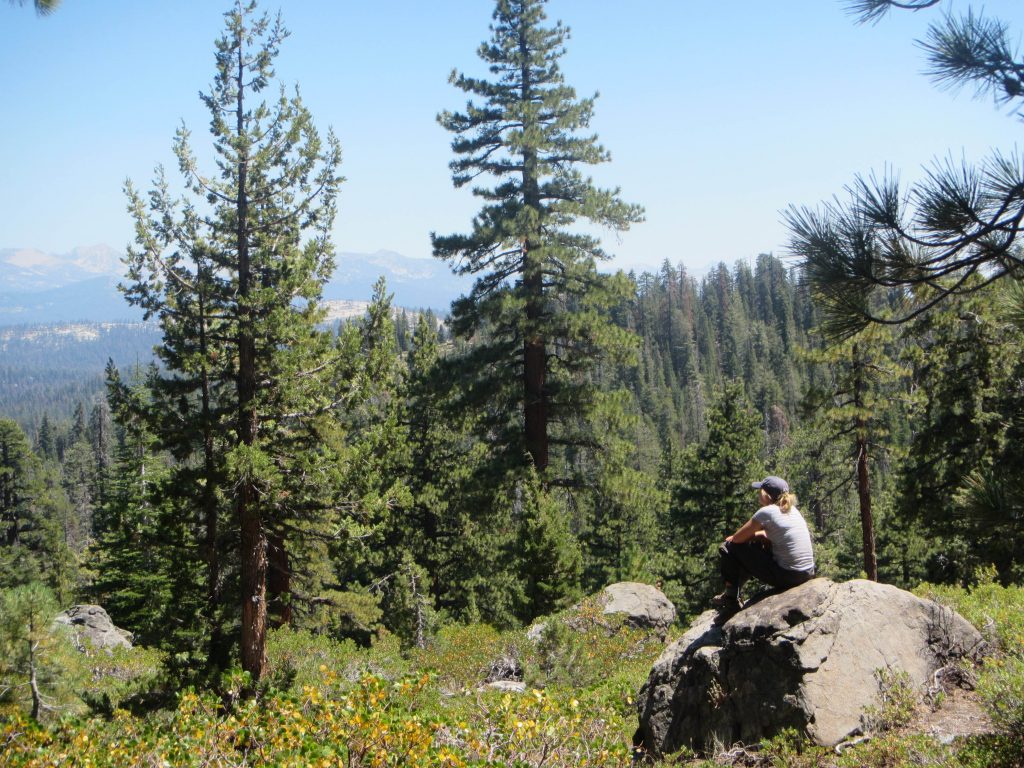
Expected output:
(330, 703)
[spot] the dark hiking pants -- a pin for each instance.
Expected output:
(741, 561)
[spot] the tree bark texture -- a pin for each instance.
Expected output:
(253, 535)
(534, 347)
(867, 523)
(279, 580)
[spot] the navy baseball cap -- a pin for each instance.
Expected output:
(773, 486)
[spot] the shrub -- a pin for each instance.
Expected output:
(989, 751)
(372, 723)
(543, 729)
(893, 750)
(583, 648)
(784, 748)
(462, 656)
(294, 657)
(123, 678)
(1001, 686)
(897, 701)
(996, 610)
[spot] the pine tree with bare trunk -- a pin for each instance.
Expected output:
(234, 271)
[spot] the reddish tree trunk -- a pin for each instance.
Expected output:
(279, 581)
(867, 523)
(253, 535)
(534, 347)
(254, 585)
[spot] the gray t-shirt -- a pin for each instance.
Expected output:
(787, 531)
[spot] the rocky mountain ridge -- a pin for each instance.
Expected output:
(39, 287)
(29, 269)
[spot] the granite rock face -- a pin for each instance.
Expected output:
(91, 622)
(639, 605)
(644, 606)
(805, 658)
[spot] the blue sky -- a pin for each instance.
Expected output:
(718, 115)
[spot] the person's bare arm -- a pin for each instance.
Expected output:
(746, 532)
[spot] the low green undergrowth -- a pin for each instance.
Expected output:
(329, 703)
(999, 612)
(994, 609)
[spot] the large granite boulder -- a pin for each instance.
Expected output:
(806, 658)
(644, 606)
(637, 605)
(91, 622)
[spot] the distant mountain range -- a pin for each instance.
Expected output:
(416, 283)
(38, 287)
(27, 270)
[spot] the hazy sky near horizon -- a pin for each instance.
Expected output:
(718, 115)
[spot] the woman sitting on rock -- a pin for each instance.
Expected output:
(774, 546)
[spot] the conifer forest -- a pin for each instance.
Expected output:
(271, 497)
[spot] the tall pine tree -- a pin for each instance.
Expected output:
(964, 453)
(539, 307)
(249, 247)
(850, 405)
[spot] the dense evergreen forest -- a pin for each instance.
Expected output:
(562, 429)
(730, 379)
(51, 369)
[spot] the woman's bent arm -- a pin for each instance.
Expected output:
(746, 532)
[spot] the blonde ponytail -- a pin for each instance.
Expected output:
(786, 501)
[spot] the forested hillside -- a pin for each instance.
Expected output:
(747, 323)
(50, 369)
(730, 379)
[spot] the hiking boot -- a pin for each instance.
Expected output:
(726, 602)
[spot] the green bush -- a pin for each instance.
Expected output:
(785, 748)
(1001, 686)
(296, 658)
(893, 750)
(989, 751)
(897, 701)
(997, 611)
(584, 649)
(123, 678)
(462, 656)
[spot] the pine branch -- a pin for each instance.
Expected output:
(870, 11)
